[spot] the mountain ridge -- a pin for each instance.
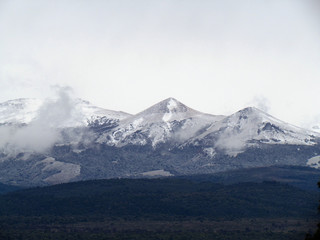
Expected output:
(166, 139)
(158, 122)
(25, 110)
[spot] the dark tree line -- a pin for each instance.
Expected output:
(316, 236)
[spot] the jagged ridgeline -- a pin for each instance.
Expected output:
(67, 140)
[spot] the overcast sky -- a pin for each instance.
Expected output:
(214, 56)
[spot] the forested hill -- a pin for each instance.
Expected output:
(8, 188)
(158, 198)
(302, 177)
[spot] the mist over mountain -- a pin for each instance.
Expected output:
(34, 125)
(67, 139)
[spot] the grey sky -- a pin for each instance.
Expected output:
(215, 56)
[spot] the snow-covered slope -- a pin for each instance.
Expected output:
(249, 127)
(19, 111)
(90, 110)
(25, 110)
(314, 162)
(168, 120)
(316, 128)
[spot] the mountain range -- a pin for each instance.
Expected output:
(63, 140)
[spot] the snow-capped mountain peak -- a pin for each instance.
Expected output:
(169, 105)
(249, 127)
(166, 120)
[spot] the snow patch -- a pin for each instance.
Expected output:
(172, 105)
(314, 162)
(78, 150)
(167, 116)
(209, 165)
(210, 152)
(157, 173)
(136, 123)
(316, 128)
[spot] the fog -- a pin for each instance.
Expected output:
(45, 129)
(230, 143)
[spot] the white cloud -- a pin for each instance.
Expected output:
(261, 103)
(44, 130)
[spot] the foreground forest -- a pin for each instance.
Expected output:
(158, 209)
